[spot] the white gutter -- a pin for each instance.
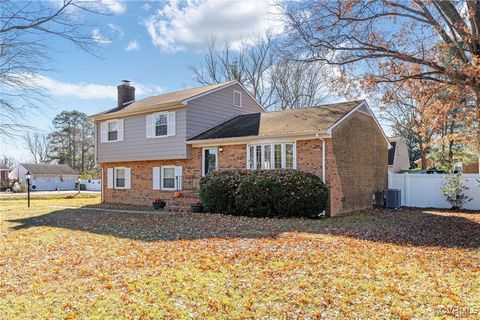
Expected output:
(324, 153)
(251, 139)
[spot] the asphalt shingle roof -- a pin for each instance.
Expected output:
(294, 121)
(158, 101)
(48, 168)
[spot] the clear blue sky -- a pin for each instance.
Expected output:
(152, 43)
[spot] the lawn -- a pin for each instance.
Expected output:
(68, 263)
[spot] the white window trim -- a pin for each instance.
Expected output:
(111, 141)
(162, 176)
(272, 155)
(241, 99)
(115, 178)
(203, 159)
(155, 125)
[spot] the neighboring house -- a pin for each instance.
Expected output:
(152, 147)
(45, 177)
(398, 159)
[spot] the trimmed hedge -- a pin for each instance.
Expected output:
(268, 193)
(217, 190)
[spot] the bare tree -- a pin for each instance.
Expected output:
(38, 147)
(392, 40)
(26, 28)
(274, 79)
(7, 161)
(298, 84)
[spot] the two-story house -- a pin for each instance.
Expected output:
(152, 147)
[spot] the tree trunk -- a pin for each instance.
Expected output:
(477, 109)
(423, 156)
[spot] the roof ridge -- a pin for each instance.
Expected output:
(319, 106)
(192, 88)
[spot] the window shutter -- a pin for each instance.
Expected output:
(120, 130)
(150, 128)
(103, 132)
(127, 178)
(156, 178)
(110, 178)
(178, 177)
(171, 123)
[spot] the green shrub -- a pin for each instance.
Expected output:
(285, 193)
(269, 193)
(217, 190)
(454, 191)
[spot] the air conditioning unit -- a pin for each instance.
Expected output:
(393, 198)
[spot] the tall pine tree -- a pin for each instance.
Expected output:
(72, 140)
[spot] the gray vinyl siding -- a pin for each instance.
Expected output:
(199, 115)
(214, 108)
(136, 146)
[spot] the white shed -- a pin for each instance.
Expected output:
(45, 177)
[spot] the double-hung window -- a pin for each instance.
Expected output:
(168, 177)
(112, 131)
(161, 124)
(268, 156)
(119, 177)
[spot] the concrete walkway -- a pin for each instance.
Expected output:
(113, 210)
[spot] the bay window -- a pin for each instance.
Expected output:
(271, 156)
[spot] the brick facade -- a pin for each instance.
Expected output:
(141, 191)
(356, 167)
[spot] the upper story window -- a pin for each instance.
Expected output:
(111, 130)
(161, 124)
(271, 156)
(237, 98)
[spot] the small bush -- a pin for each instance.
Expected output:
(268, 193)
(282, 193)
(454, 191)
(217, 190)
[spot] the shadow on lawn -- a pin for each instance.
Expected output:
(410, 226)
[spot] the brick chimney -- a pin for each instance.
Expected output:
(126, 94)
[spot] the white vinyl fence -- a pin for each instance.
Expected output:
(92, 185)
(425, 190)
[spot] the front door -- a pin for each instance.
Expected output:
(209, 160)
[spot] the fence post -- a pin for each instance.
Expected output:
(405, 187)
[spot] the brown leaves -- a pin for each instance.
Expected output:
(83, 264)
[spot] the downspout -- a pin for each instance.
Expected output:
(324, 153)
